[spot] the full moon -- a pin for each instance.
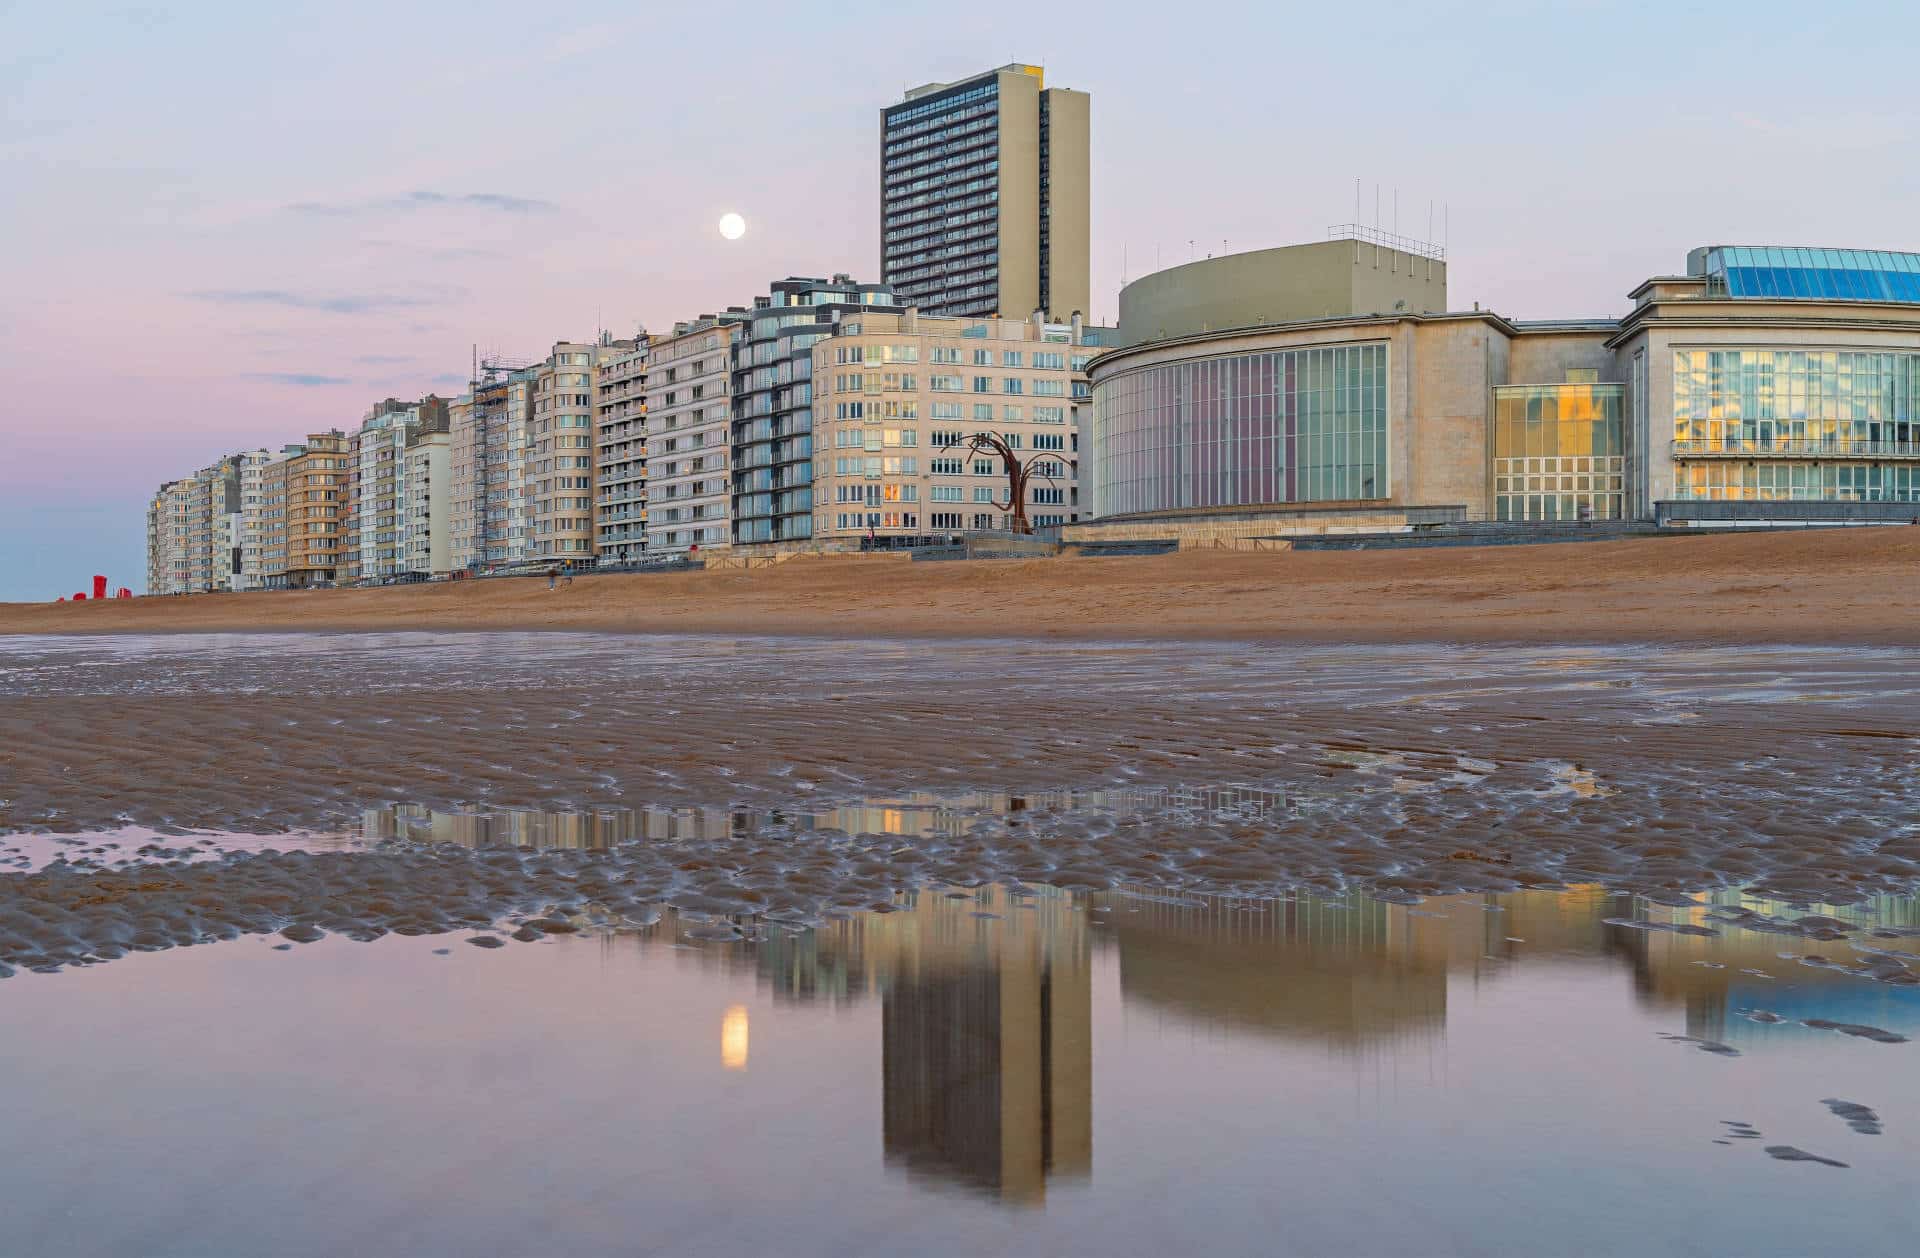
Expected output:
(732, 226)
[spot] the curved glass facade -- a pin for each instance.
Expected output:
(1842, 274)
(1306, 425)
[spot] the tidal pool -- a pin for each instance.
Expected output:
(982, 1071)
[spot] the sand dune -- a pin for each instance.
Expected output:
(1832, 586)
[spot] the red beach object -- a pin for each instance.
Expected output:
(99, 586)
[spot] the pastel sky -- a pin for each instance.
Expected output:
(227, 225)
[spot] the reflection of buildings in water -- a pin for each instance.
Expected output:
(1349, 971)
(910, 814)
(1712, 978)
(987, 1041)
(1341, 971)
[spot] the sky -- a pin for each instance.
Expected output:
(226, 225)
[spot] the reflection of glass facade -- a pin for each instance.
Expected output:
(1845, 274)
(1558, 452)
(1305, 425)
(1813, 424)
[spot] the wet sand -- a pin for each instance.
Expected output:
(1407, 771)
(1831, 586)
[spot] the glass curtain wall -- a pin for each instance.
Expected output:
(1809, 424)
(1559, 452)
(1305, 425)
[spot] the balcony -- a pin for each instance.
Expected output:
(1798, 448)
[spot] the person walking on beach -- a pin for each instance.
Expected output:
(553, 575)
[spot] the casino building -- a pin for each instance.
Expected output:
(1327, 387)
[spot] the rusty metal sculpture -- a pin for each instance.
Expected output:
(1018, 473)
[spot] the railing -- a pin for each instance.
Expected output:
(1797, 448)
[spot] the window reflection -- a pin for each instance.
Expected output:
(1559, 452)
(1784, 424)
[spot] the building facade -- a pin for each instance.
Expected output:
(379, 498)
(690, 426)
(1748, 381)
(897, 395)
(253, 465)
(772, 456)
(984, 193)
(559, 477)
(313, 530)
(427, 503)
(196, 530)
(620, 456)
(169, 525)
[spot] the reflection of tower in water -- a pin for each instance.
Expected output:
(987, 1047)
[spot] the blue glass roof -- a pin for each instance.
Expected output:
(1844, 274)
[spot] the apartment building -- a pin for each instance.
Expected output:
(486, 527)
(897, 395)
(169, 512)
(984, 193)
(463, 481)
(378, 496)
(772, 447)
(196, 530)
(270, 522)
(304, 509)
(558, 481)
(253, 467)
(427, 502)
(689, 423)
(620, 456)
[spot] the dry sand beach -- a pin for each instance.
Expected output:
(1845, 586)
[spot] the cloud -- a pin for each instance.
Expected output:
(299, 379)
(452, 253)
(421, 199)
(375, 360)
(451, 377)
(338, 303)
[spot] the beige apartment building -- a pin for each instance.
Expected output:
(312, 530)
(620, 456)
(560, 474)
(464, 483)
(689, 420)
(984, 194)
(896, 395)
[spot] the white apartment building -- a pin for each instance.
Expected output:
(428, 504)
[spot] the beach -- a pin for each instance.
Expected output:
(1851, 586)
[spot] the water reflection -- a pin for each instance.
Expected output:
(911, 814)
(986, 995)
